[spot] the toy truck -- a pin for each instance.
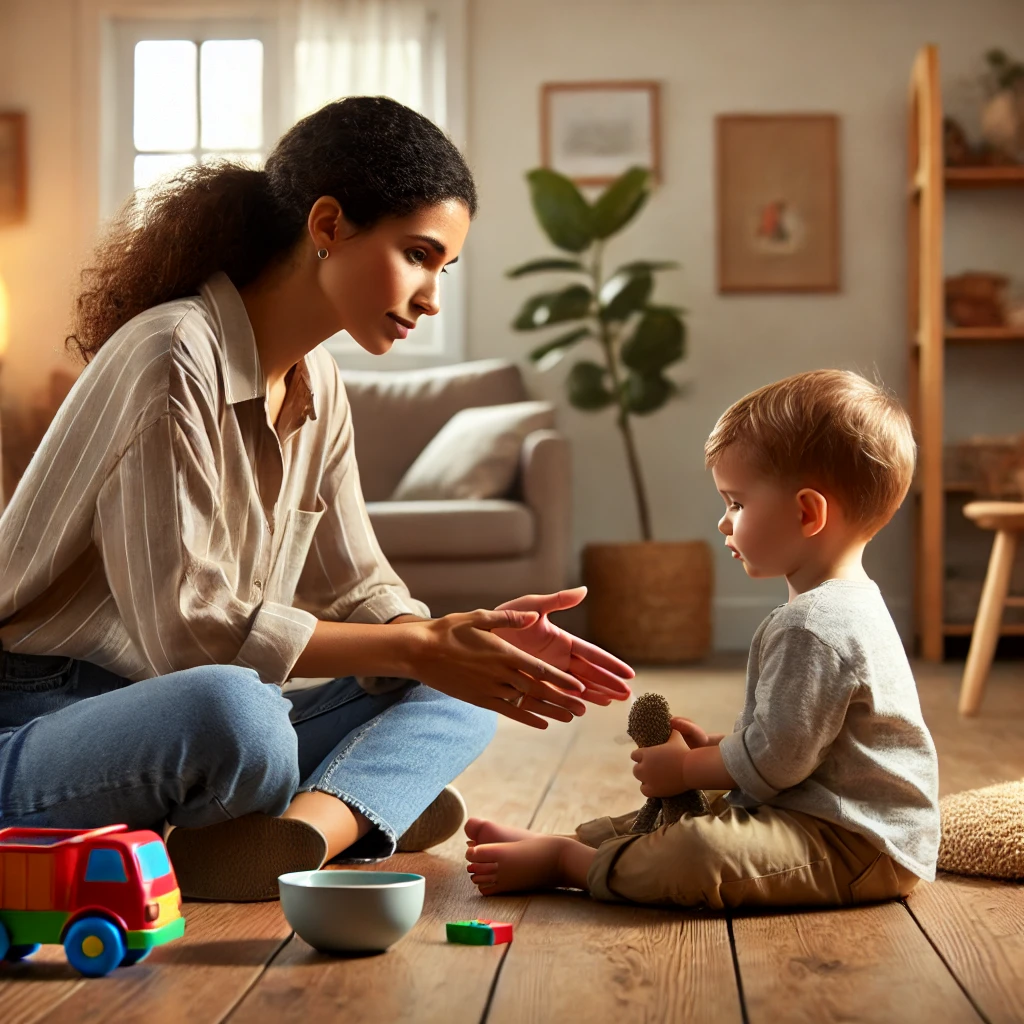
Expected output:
(106, 894)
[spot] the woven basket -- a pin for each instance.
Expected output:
(650, 602)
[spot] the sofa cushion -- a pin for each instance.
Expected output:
(428, 530)
(395, 413)
(475, 454)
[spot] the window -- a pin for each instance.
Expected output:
(185, 92)
(105, 866)
(153, 862)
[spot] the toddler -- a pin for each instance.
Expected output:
(831, 773)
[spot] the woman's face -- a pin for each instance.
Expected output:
(381, 280)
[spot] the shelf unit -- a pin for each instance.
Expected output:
(927, 182)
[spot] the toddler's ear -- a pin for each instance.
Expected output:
(813, 506)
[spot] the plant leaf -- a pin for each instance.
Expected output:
(620, 202)
(563, 341)
(549, 308)
(586, 386)
(646, 393)
(658, 341)
(622, 295)
(548, 263)
(561, 209)
(646, 266)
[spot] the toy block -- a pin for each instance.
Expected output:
(478, 933)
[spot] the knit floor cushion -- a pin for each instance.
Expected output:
(983, 831)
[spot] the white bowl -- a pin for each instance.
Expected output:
(351, 911)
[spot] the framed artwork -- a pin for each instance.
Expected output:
(593, 131)
(778, 203)
(12, 169)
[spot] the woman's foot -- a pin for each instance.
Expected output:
(482, 830)
(534, 862)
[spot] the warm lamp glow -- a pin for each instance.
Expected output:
(4, 318)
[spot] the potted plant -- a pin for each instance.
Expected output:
(1002, 117)
(649, 601)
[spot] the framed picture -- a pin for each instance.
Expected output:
(778, 203)
(593, 131)
(12, 169)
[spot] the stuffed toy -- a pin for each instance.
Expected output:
(650, 724)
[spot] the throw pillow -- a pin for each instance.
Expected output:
(475, 454)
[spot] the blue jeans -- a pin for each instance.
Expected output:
(81, 747)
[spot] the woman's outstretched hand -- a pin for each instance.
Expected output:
(603, 676)
(470, 656)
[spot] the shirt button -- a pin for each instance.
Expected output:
(258, 584)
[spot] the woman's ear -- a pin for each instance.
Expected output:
(813, 506)
(326, 223)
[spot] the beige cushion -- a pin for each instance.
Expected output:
(427, 530)
(395, 413)
(983, 831)
(475, 455)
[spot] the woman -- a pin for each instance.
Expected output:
(193, 523)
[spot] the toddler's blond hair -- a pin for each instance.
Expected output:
(831, 430)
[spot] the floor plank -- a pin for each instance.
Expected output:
(977, 925)
(864, 964)
(423, 978)
(33, 987)
(198, 978)
(574, 958)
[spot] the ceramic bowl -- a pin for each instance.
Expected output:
(351, 911)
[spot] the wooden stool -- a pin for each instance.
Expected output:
(1007, 519)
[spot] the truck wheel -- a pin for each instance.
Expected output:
(135, 956)
(94, 946)
(5, 940)
(20, 952)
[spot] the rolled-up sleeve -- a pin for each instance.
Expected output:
(802, 695)
(347, 577)
(162, 532)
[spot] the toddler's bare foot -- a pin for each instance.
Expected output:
(533, 862)
(480, 830)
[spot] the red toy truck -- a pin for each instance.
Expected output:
(106, 894)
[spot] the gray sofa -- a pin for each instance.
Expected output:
(459, 554)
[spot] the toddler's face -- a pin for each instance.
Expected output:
(762, 522)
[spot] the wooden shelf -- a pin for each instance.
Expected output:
(984, 177)
(966, 628)
(984, 334)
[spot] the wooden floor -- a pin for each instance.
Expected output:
(953, 952)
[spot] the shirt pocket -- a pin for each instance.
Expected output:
(296, 538)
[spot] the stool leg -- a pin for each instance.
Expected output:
(989, 618)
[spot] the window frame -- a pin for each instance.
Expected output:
(117, 181)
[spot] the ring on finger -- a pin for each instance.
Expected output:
(518, 702)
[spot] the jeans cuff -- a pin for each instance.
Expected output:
(378, 844)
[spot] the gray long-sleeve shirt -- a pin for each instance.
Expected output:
(832, 726)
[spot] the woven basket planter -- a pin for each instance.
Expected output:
(650, 602)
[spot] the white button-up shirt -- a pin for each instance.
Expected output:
(164, 523)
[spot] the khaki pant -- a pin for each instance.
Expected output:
(732, 857)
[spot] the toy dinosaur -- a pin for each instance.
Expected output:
(650, 724)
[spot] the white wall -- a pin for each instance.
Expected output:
(851, 57)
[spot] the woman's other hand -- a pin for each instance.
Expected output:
(468, 656)
(604, 677)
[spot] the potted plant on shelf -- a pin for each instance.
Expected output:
(649, 601)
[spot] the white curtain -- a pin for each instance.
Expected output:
(363, 48)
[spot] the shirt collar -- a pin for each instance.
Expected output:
(243, 374)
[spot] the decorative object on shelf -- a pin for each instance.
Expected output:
(13, 169)
(778, 203)
(976, 299)
(988, 467)
(647, 601)
(592, 132)
(1002, 117)
(955, 145)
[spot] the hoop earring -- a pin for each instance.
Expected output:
(322, 253)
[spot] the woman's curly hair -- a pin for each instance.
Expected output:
(376, 157)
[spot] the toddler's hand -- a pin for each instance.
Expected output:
(660, 768)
